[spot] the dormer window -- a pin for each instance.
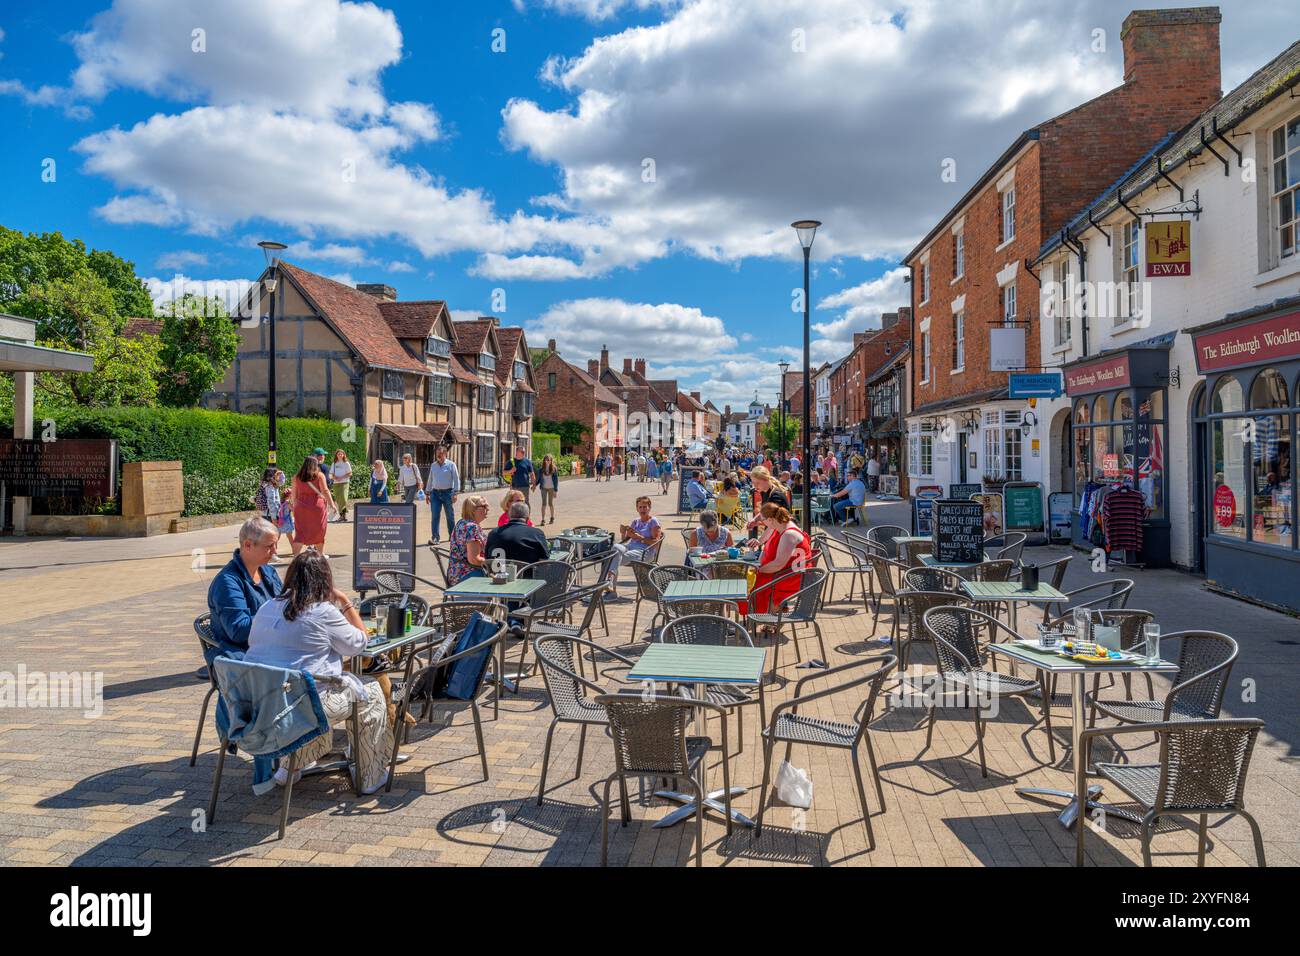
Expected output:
(521, 371)
(487, 361)
(439, 348)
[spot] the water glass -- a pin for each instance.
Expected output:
(1081, 622)
(1151, 635)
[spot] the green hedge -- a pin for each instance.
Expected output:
(545, 443)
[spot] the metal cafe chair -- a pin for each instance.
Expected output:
(397, 581)
(203, 628)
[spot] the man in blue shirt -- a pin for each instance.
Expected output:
(243, 585)
(853, 493)
(523, 476)
(442, 487)
(696, 494)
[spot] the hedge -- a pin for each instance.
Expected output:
(545, 443)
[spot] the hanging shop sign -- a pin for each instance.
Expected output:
(1253, 343)
(1006, 349)
(1111, 372)
(1169, 248)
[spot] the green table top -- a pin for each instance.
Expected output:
(1011, 591)
(581, 538)
(699, 664)
(516, 590)
(383, 646)
(912, 538)
(930, 561)
(731, 589)
(1051, 661)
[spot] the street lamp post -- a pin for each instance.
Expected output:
(272, 252)
(780, 405)
(806, 229)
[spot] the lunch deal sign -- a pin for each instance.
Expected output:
(1254, 343)
(1169, 249)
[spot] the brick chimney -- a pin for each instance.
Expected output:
(726, 409)
(905, 315)
(550, 345)
(593, 369)
(888, 320)
(696, 396)
(384, 293)
(627, 366)
(1175, 54)
(604, 359)
(858, 338)
(639, 364)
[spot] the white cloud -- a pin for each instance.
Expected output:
(181, 260)
(659, 333)
(863, 304)
(229, 291)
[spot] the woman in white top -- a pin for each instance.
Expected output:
(340, 475)
(410, 479)
(710, 536)
(312, 626)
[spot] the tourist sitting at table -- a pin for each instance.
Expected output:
(853, 493)
(313, 626)
(241, 587)
(796, 484)
(766, 488)
(517, 539)
(697, 496)
(710, 536)
(784, 548)
(644, 532)
(513, 495)
(468, 558)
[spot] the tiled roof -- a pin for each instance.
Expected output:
(602, 393)
(138, 328)
(471, 335)
(357, 318)
(440, 430)
(412, 320)
(411, 433)
(508, 340)
(465, 369)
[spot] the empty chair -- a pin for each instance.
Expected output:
(1205, 660)
(717, 631)
(955, 632)
(916, 550)
(885, 535)
(790, 727)
(1053, 572)
(1010, 545)
(1201, 770)
(659, 577)
(203, 628)
(933, 579)
(800, 608)
(570, 694)
(912, 607)
(1131, 623)
(645, 591)
(885, 572)
(841, 560)
(579, 627)
(399, 581)
(650, 740)
(561, 549)
(1103, 596)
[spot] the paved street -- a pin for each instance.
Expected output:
(117, 788)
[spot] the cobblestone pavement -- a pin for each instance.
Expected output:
(118, 789)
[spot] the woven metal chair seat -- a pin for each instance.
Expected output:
(557, 627)
(813, 730)
(582, 710)
(1139, 781)
(764, 619)
(725, 696)
(993, 682)
(1143, 711)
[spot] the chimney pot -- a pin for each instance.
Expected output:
(627, 366)
(640, 367)
(696, 396)
(550, 345)
(1181, 43)
(384, 293)
(604, 359)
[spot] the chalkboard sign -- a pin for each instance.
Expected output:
(1023, 508)
(383, 539)
(962, 492)
(958, 531)
(683, 502)
(922, 516)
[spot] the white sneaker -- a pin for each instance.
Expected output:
(282, 776)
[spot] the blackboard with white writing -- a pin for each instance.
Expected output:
(958, 531)
(383, 539)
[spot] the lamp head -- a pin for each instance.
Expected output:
(807, 230)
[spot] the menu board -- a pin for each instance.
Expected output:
(958, 531)
(922, 516)
(1024, 506)
(68, 467)
(991, 502)
(683, 501)
(1060, 504)
(962, 492)
(383, 539)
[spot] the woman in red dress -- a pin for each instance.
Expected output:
(785, 548)
(311, 499)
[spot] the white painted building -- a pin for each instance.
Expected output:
(1157, 366)
(822, 396)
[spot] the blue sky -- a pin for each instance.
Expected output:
(526, 169)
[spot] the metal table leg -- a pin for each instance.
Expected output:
(713, 799)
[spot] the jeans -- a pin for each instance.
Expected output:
(378, 492)
(840, 507)
(440, 503)
(409, 492)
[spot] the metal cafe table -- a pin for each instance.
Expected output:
(1013, 593)
(1078, 672)
(930, 561)
(482, 589)
(727, 589)
(905, 541)
(694, 666)
(581, 542)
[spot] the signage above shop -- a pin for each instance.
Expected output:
(1111, 372)
(1034, 385)
(1169, 248)
(1264, 340)
(1006, 349)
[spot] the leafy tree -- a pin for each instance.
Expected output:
(198, 343)
(570, 430)
(772, 432)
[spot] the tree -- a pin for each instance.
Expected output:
(570, 430)
(772, 432)
(198, 343)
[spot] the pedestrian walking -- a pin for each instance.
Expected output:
(378, 483)
(548, 482)
(409, 478)
(340, 475)
(311, 501)
(522, 475)
(441, 488)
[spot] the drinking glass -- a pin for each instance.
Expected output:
(1151, 634)
(1081, 632)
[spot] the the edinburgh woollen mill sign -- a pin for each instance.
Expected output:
(1264, 340)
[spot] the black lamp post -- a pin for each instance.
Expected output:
(272, 252)
(780, 405)
(806, 230)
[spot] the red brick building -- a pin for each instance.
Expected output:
(969, 278)
(566, 392)
(849, 409)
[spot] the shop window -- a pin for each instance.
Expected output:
(1227, 396)
(1227, 465)
(1272, 481)
(1082, 449)
(392, 385)
(1124, 408)
(1268, 390)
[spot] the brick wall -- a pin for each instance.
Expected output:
(570, 398)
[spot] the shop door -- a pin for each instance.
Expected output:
(1199, 524)
(961, 456)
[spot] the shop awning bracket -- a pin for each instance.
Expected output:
(1093, 222)
(1214, 128)
(1160, 168)
(1131, 211)
(1205, 144)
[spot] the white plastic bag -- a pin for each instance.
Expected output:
(794, 786)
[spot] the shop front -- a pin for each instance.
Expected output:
(991, 442)
(1245, 432)
(1118, 441)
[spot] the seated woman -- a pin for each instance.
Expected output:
(513, 495)
(710, 536)
(728, 502)
(766, 489)
(635, 538)
(468, 542)
(785, 548)
(312, 626)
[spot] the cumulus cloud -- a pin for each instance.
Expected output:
(228, 291)
(181, 260)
